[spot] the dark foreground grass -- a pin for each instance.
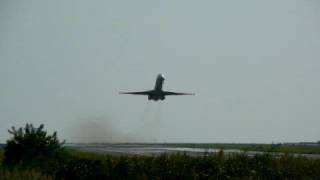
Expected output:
(22, 174)
(18, 173)
(71, 164)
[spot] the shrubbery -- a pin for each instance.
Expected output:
(33, 153)
(19, 174)
(182, 166)
(28, 144)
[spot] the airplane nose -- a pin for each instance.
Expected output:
(162, 76)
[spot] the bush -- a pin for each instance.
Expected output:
(43, 157)
(29, 144)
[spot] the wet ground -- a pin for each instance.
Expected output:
(158, 149)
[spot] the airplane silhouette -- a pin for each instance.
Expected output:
(157, 93)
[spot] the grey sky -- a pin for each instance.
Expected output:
(254, 66)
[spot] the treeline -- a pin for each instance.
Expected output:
(45, 158)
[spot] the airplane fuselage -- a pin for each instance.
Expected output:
(157, 92)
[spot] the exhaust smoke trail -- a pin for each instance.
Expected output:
(138, 134)
(145, 112)
(157, 121)
(150, 121)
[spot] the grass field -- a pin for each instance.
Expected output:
(1, 156)
(82, 165)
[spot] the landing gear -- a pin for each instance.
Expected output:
(156, 98)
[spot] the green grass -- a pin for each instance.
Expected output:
(181, 166)
(1, 156)
(72, 164)
(18, 173)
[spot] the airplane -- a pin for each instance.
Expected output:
(157, 93)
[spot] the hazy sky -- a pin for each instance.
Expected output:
(254, 65)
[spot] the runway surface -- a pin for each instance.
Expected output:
(158, 149)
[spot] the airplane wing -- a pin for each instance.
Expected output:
(137, 93)
(176, 93)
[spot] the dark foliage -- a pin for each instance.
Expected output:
(71, 164)
(32, 150)
(29, 144)
(182, 166)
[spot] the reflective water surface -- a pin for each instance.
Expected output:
(158, 149)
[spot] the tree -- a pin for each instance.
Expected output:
(29, 143)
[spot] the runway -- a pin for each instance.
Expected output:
(158, 149)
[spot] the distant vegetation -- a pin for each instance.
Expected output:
(55, 162)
